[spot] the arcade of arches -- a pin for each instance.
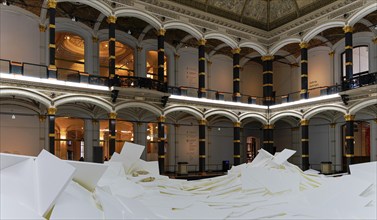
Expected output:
(81, 82)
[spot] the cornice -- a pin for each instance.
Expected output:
(201, 19)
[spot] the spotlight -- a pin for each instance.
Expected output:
(129, 32)
(5, 2)
(13, 116)
(74, 19)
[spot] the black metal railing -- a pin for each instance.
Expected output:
(64, 74)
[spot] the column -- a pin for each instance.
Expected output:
(112, 132)
(305, 144)
(202, 145)
(236, 143)
(349, 140)
(267, 80)
(268, 138)
(111, 20)
(161, 143)
(88, 140)
(161, 54)
(51, 129)
(304, 70)
(96, 66)
(42, 132)
(52, 13)
(202, 69)
(236, 75)
(348, 50)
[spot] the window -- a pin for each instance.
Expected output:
(124, 59)
(152, 65)
(360, 60)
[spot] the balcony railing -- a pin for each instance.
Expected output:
(63, 74)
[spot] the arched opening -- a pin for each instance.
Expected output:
(69, 141)
(124, 59)
(152, 65)
(70, 56)
(152, 141)
(361, 143)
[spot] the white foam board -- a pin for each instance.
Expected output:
(7, 160)
(87, 174)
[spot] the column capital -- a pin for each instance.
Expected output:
(42, 118)
(332, 125)
(237, 124)
(331, 53)
(374, 40)
(113, 115)
(111, 19)
(51, 4)
(202, 122)
(161, 118)
(161, 32)
(349, 117)
(236, 50)
(51, 111)
(202, 41)
(268, 126)
(304, 122)
(42, 28)
(267, 57)
(304, 44)
(95, 39)
(347, 29)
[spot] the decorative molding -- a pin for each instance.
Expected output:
(160, 11)
(203, 24)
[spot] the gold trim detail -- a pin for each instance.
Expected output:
(51, 46)
(236, 79)
(265, 72)
(236, 50)
(268, 98)
(304, 122)
(202, 58)
(349, 155)
(236, 141)
(202, 74)
(202, 122)
(112, 137)
(304, 155)
(202, 41)
(52, 67)
(348, 47)
(42, 118)
(95, 39)
(236, 156)
(268, 142)
(113, 115)
(161, 156)
(348, 63)
(236, 66)
(304, 45)
(237, 124)
(111, 57)
(267, 84)
(202, 156)
(304, 75)
(268, 57)
(304, 140)
(161, 118)
(111, 19)
(374, 40)
(331, 54)
(202, 90)
(51, 4)
(161, 66)
(304, 61)
(202, 140)
(349, 117)
(349, 137)
(161, 32)
(303, 91)
(51, 135)
(42, 28)
(347, 29)
(237, 94)
(161, 50)
(112, 39)
(51, 111)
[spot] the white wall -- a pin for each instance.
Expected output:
(284, 79)
(221, 74)
(20, 37)
(319, 136)
(187, 142)
(20, 135)
(220, 142)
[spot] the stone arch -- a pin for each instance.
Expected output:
(280, 44)
(142, 15)
(311, 112)
(184, 27)
(106, 105)
(361, 104)
(40, 97)
(228, 114)
(188, 109)
(308, 36)
(259, 117)
(224, 38)
(278, 116)
(144, 105)
(362, 13)
(259, 48)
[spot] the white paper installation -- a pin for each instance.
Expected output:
(127, 187)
